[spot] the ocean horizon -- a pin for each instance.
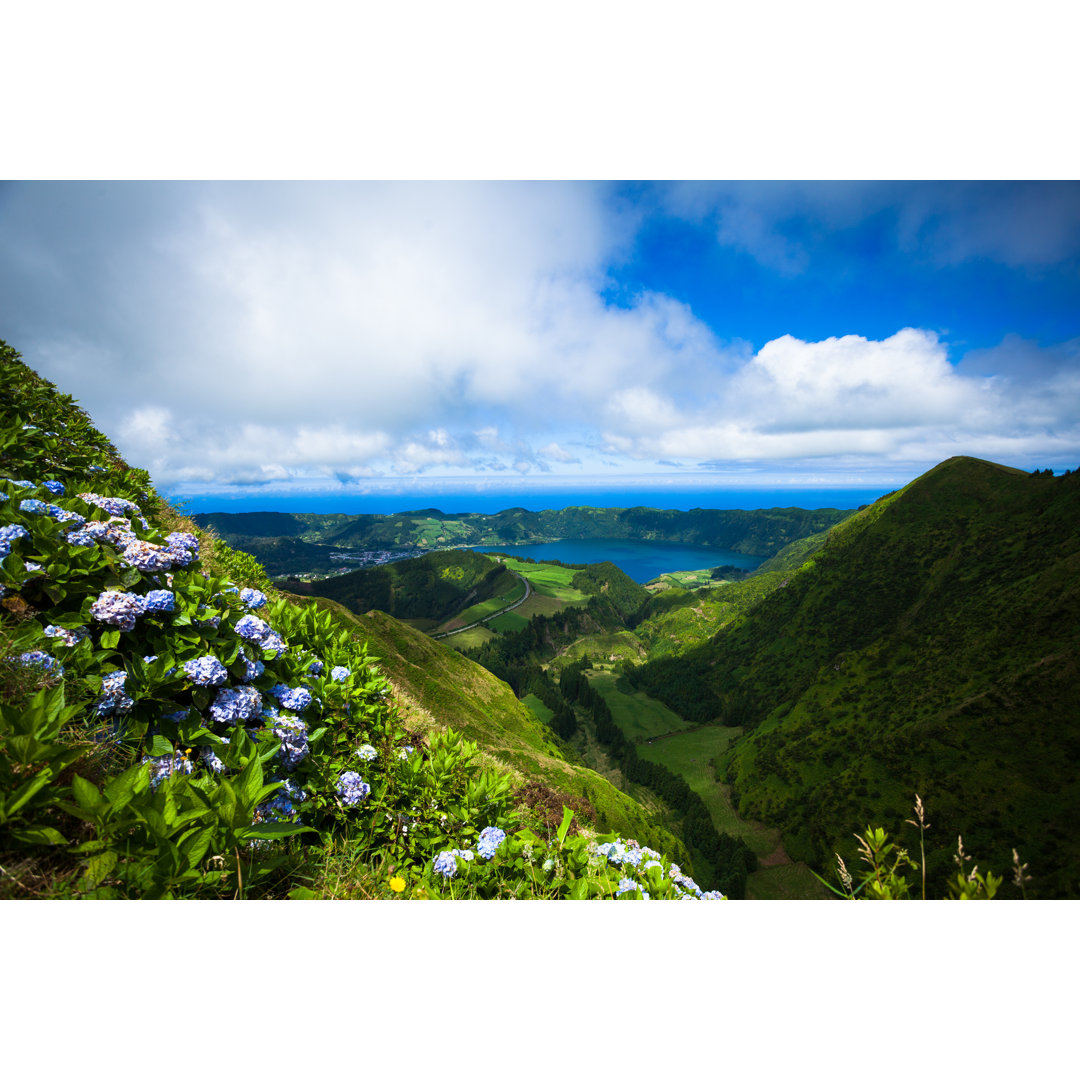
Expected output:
(492, 503)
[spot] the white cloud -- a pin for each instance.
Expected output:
(850, 397)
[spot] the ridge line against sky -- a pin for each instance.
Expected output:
(337, 338)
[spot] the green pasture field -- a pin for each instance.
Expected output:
(691, 755)
(487, 607)
(542, 604)
(548, 580)
(509, 620)
(469, 639)
(687, 579)
(537, 707)
(637, 715)
(622, 644)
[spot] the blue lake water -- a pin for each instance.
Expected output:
(641, 560)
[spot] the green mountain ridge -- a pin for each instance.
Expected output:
(929, 645)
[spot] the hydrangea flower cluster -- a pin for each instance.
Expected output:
(315, 668)
(113, 506)
(296, 698)
(252, 669)
(37, 658)
(231, 706)
(55, 487)
(445, 862)
(118, 609)
(490, 840)
(33, 506)
(115, 531)
(113, 700)
(253, 598)
(339, 674)
(406, 752)
(367, 752)
(206, 671)
(352, 789)
(143, 555)
(626, 885)
(161, 767)
(211, 760)
(69, 638)
(8, 533)
(282, 806)
(294, 739)
(183, 547)
(160, 601)
(253, 629)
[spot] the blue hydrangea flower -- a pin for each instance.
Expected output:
(231, 706)
(8, 533)
(21, 483)
(161, 767)
(183, 548)
(294, 739)
(253, 629)
(55, 487)
(160, 601)
(339, 674)
(66, 637)
(252, 670)
(113, 700)
(211, 760)
(315, 667)
(490, 840)
(406, 752)
(113, 506)
(206, 671)
(37, 658)
(626, 885)
(296, 698)
(352, 789)
(118, 609)
(715, 895)
(253, 598)
(445, 864)
(80, 538)
(32, 506)
(367, 753)
(143, 555)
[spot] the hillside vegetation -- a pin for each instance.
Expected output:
(432, 588)
(930, 645)
(172, 726)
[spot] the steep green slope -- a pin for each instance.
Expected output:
(436, 685)
(930, 646)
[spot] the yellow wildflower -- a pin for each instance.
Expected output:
(397, 884)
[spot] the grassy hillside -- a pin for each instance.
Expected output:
(171, 726)
(438, 688)
(929, 646)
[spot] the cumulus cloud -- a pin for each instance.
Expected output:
(897, 399)
(324, 335)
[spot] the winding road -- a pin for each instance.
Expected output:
(494, 614)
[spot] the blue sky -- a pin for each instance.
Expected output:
(274, 339)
